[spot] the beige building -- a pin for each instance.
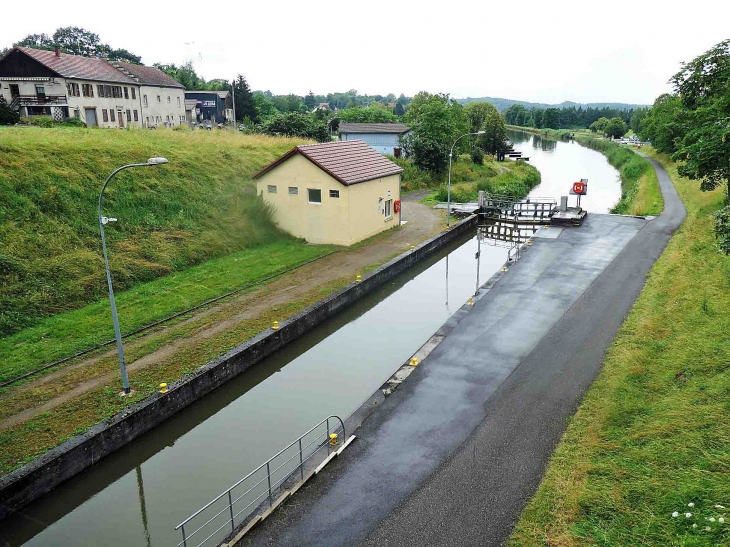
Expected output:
(99, 92)
(332, 193)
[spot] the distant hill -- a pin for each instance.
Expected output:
(503, 104)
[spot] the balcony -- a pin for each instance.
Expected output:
(39, 100)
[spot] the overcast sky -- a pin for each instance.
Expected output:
(551, 51)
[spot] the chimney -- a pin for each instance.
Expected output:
(57, 52)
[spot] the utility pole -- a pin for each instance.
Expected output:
(233, 100)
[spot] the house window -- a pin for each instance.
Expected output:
(145, 100)
(126, 93)
(271, 188)
(293, 191)
(73, 89)
(168, 99)
(129, 115)
(134, 93)
(136, 118)
(111, 114)
(314, 195)
(388, 208)
(107, 91)
(178, 102)
(159, 99)
(334, 193)
(40, 90)
(104, 115)
(117, 91)
(167, 118)
(87, 90)
(77, 114)
(148, 121)
(100, 90)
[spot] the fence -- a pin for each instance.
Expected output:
(259, 483)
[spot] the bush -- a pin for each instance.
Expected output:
(72, 122)
(8, 116)
(477, 155)
(40, 121)
(722, 229)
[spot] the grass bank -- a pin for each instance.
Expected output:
(640, 193)
(170, 217)
(467, 178)
(652, 434)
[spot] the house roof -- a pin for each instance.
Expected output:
(397, 128)
(149, 75)
(223, 94)
(349, 162)
(75, 66)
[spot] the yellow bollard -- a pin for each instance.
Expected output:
(412, 248)
(333, 439)
(414, 361)
(529, 243)
(471, 301)
(358, 279)
(505, 268)
(276, 325)
(163, 388)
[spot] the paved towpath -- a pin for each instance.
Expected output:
(453, 456)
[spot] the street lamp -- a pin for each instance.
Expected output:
(102, 222)
(448, 207)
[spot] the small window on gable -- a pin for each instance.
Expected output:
(314, 195)
(271, 188)
(334, 193)
(293, 191)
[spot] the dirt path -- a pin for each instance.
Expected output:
(422, 223)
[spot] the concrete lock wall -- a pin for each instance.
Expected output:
(24, 485)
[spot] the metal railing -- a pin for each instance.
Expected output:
(533, 209)
(31, 100)
(266, 478)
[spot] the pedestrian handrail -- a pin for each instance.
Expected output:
(531, 209)
(273, 477)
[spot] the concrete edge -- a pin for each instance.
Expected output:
(45, 473)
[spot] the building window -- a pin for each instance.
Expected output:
(73, 89)
(314, 195)
(271, 188)
(129, 115)
(104, 115)
(117, 91)
(111, 114)
(77, 114)
(334, 193)
(167, 118)
(145, 100)
(134, 93)
(136, 119)
(168, 99)
(100, 90)
(40, 90)
(388, 208)
(107, 91)
(293, 191)
(178, 102)
(148, 121)
(159, 99)
(87, 90)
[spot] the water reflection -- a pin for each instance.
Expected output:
(546, 145)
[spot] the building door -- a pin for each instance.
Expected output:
(121, 118)
(14, 90)
(90, 114)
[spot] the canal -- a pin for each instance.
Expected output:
(136, 496)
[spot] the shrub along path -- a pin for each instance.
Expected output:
(34, 416)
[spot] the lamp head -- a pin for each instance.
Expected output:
(157, 161)
(481, 132)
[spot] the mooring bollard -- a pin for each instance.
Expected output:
(333, 439)
(471, 301)
(358, 279)
(276, 325)
(529, 243)
(505, 268)
(412, 248)
(163, 388)
(414, 361)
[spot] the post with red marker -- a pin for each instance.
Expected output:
(579, 189)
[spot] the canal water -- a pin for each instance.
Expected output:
(137, 496)
(563, 162)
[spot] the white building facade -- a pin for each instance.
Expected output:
(381, 137)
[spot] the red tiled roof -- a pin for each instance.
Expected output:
(75, 66)
(350, 162)
(397, 128)
(149, 75)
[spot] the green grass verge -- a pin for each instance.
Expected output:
(67, 333)
(640, 193)
(170, 217)
(652, 434)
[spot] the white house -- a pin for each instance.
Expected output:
(382, 137)
(102, 93)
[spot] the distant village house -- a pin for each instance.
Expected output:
(382, 137)
(211, 107)
(332, 193)
(99, 92)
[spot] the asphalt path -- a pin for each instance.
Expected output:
(455, 454)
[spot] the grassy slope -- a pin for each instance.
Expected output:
(652, 433)
(640, 193)
(170, 217)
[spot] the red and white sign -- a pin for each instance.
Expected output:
(579, 189)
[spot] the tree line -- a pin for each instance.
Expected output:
(562, 118)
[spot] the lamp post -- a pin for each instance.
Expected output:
(102, 222)
(451, 153)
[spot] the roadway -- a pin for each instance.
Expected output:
(455, 454)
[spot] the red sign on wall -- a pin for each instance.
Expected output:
(579, 188)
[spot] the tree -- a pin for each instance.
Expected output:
(185, 75)
(599, 125)
(484, 116)
(616, 128)
(309, 100)
(537, 114)
(37, 41)
(664, 124)
(703, 85)
(78, 41)
(297, 124)
(399, 110)
(375, 113)
(265, 108)
(551, 118)
(245, 107)
(8, 116)
(636, 119)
